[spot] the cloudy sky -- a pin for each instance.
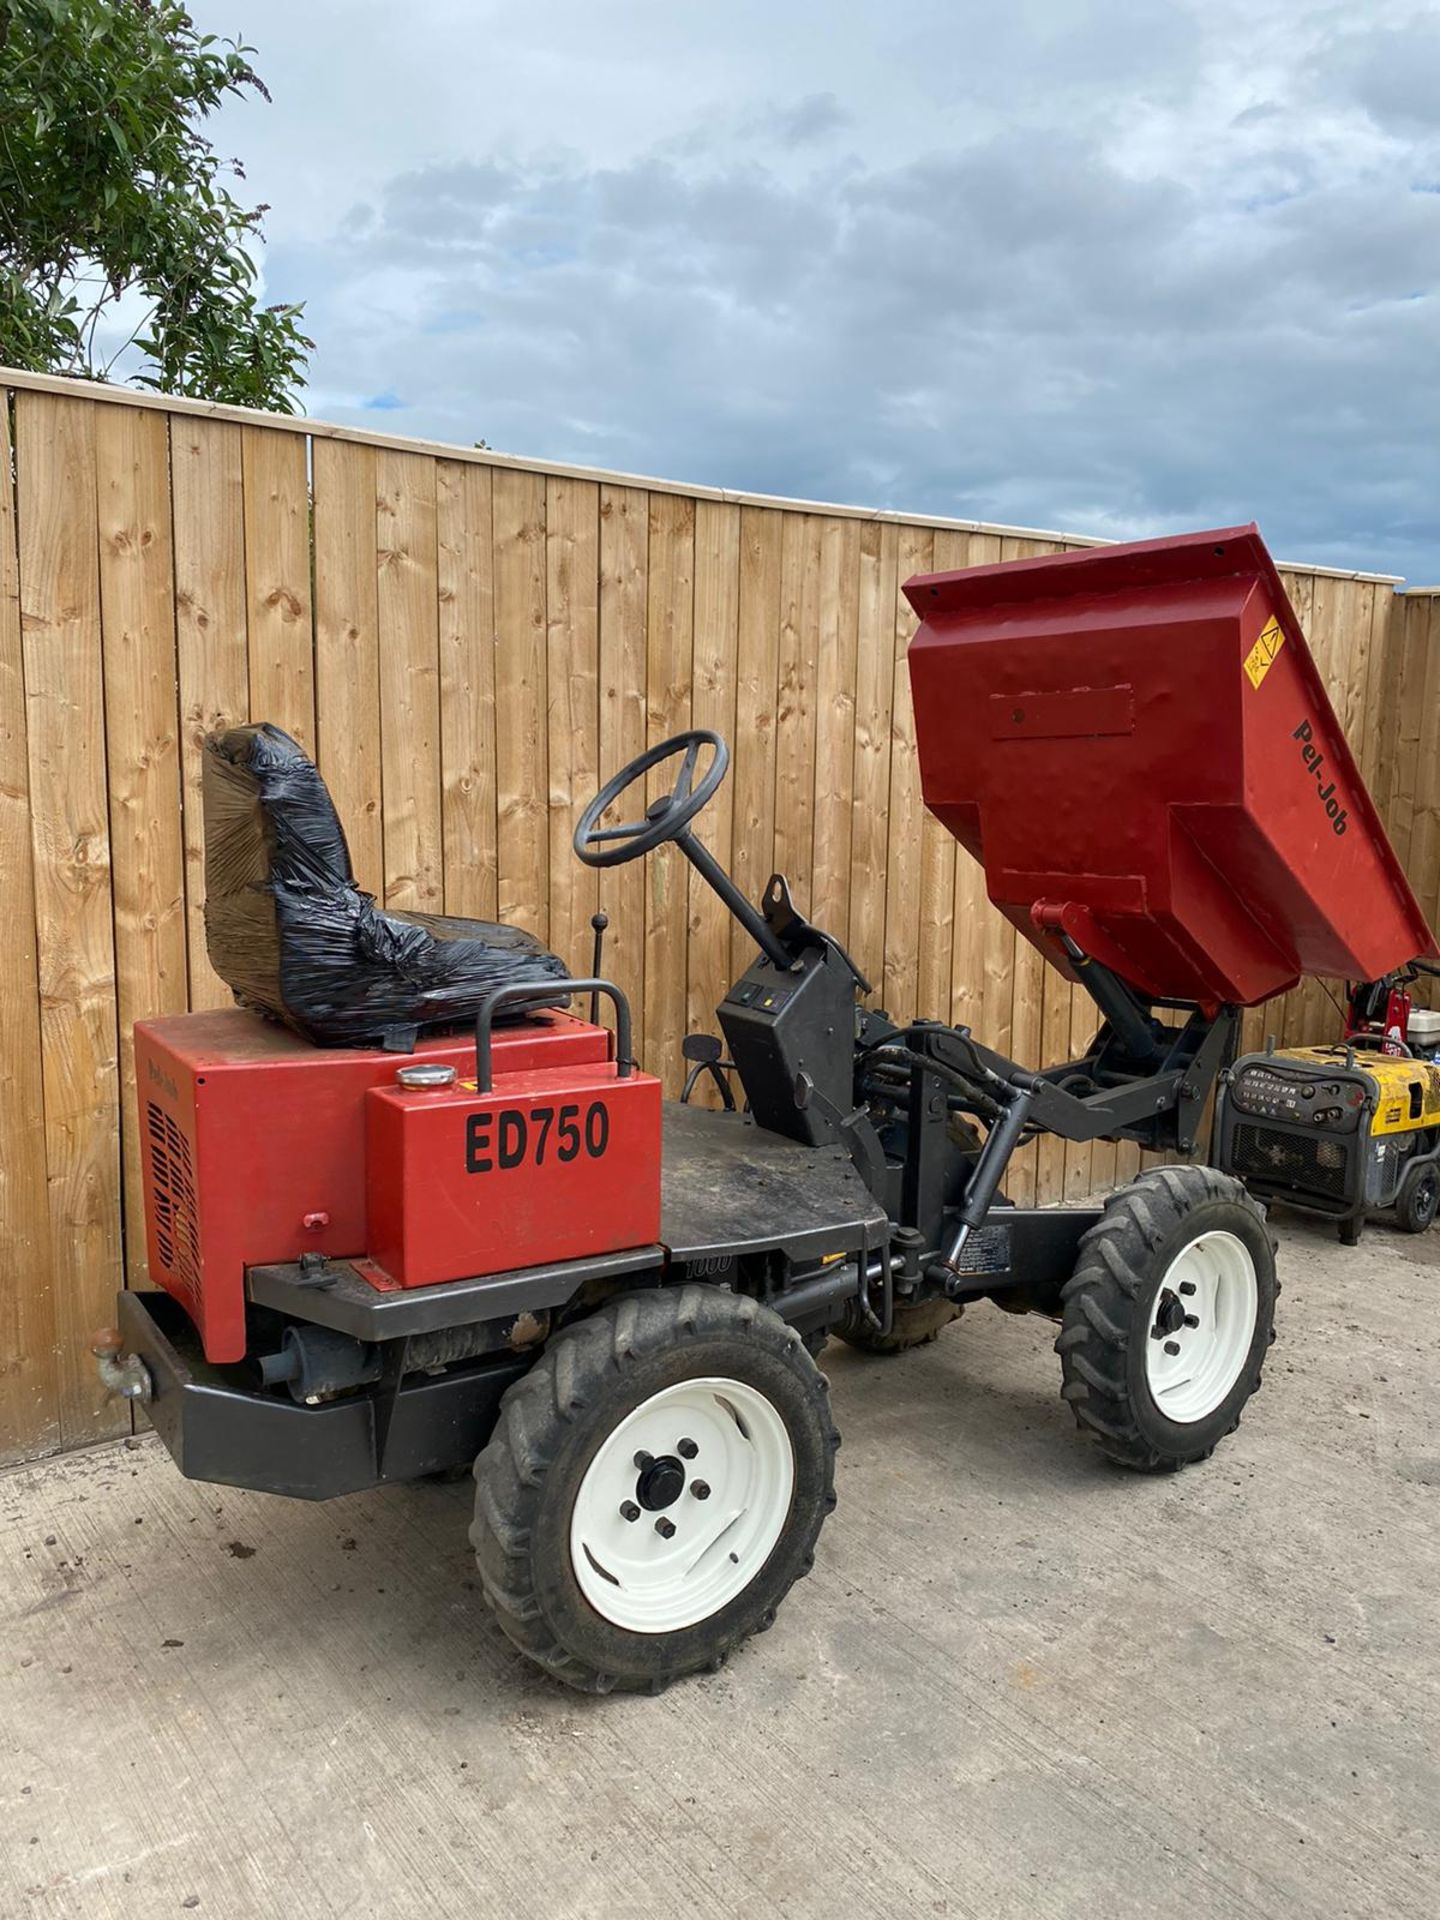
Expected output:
(1108, 266)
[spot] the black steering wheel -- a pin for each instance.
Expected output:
(667, 817)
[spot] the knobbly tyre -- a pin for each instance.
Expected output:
(502, 1247)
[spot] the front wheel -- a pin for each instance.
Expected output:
(653, 1488)
(1168, 1317)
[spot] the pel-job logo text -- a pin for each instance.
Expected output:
(1315, 761)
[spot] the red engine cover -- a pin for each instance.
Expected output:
(253, 1144)
(547, 1166)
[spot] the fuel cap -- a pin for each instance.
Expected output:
(429, 1076)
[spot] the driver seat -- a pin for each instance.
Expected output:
(293, 937)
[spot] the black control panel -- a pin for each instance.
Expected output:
(790, 1032)
(1273, 1092)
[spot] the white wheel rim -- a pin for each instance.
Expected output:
(628, 1569)
(1191, 1368)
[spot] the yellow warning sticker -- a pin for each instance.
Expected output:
(1261, 656)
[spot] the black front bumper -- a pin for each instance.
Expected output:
(219, 1428)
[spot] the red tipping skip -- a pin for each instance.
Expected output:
(1135, 743)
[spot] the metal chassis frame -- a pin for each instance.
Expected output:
(1161, 1108)
(217, 1428)
(334, 1295)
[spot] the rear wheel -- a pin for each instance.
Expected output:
(1168, 1317)
(653, 1488)
(1419, 1201)
(910, 1326)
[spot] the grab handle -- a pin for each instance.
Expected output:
(519, 990)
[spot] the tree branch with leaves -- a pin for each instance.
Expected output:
(109, 191)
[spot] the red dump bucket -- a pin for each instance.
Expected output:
(1135, 743)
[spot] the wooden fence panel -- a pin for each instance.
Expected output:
(901, 976)
(1366, 670)
(991, 1003)
(142, 753)
(1310, 1011)
(473, 646)
(800, 567)
(939, 856)
(572, 549)
(1423, 849)
(521, 742)
(466, 593)
(65, 719)
(876, 590)
(757, 658)
(712, 704)
(29, 1352)
(1027, 982)
(836, 658)
(624, 572)
(347, 650)
(408, 614)
(1397, 724)
(277, 582)
(1416, 678)
(670, 633)
(208, 517)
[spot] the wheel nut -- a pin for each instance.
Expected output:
(643, 1459)
(665, 1528)
(1187, 1286)
(629, 1510)
(700, 1489)
(686, 1449)
(1172, 1346)
(1191, 1321)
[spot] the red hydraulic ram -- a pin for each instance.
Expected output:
(1136, 744)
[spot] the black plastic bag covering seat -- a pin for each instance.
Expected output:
(293, 936)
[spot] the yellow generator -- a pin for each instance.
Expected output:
(1343, 1131)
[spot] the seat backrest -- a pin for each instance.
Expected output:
(292, 935)
(269, 816)
(277, 869)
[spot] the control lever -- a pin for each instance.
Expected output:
(599, 921)
(853, 1129)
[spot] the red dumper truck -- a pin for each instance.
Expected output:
(410, 1213)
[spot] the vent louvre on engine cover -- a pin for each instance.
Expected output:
(1303, 1162)
(172, 1196)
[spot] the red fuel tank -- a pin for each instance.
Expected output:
(548, 1165)
(1135, 743)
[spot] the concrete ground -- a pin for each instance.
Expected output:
(1019, 1682)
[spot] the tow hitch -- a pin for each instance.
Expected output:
(124, 1376)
